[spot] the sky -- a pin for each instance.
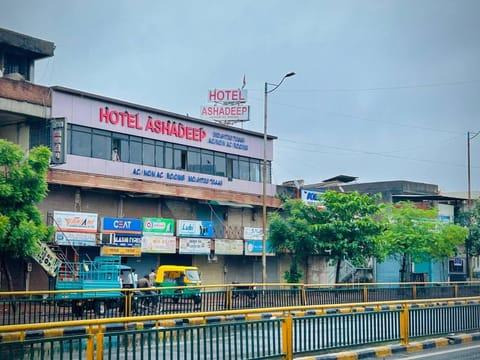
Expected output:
(384, 90)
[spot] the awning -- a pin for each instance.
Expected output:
(231, 204)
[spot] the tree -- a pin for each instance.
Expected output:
(22, 185)
(447, 238)
(290, 232)
(348, 228)
(470, 219)
(416, 234)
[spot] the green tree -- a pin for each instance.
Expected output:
(470, 219)
(417, 234)
(348, 228)
(290, 232)
(22, 185)
(447, 238)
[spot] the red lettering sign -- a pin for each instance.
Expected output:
(157, 126)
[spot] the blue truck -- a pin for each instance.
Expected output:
(104, 272)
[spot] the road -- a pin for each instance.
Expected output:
(457, 352)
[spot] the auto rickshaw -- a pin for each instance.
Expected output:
(179, 280)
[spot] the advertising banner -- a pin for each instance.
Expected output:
(251, 233)
(228, 247)
(158, 226)
(127, 240)
(122, 225)
(194, 246)
(254, 247)
(159, 244)
(195, 228)
(75, 221)
(120, 251)
(75, 239)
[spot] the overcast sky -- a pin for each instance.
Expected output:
(384, 90)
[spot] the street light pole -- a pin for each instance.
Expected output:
(264, 176)
(469, 201)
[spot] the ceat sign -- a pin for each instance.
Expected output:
(227, 96)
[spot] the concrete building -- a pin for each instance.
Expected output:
(152, 186)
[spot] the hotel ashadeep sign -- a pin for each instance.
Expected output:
(227, 105)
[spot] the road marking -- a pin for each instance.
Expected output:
(443, 352)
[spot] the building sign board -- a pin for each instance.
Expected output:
(122, 225)
(121, 251)
(254, 247)
(228, 247)
(47, 259)
(123, 240)
(58, 140)
(195, 228)
(159, 244)
(227, 96)
(75, 239)
(251, 233)
(311, 197)
(75, 221)
(197, 246)
(158, 226)
(226, 112)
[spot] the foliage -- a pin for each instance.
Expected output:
(22, 185)
(290, 232)
(470, 219)
(345, 228)
(294, 275)
(417, 234)
(348, 227)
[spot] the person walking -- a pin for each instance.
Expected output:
(151, 277)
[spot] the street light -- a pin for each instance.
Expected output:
(469, 201)
(264, 177)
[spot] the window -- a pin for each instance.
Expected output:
(136, 150)
(244, 169)
(101, 144)
(232, 167)
(179, 157)
(169, 156)
(194, 160)
(148, 152)
(16, 64)
(207, 162)
(255, 170)
(220, 164)
(81, 141)
(120, 141)
(159, 154)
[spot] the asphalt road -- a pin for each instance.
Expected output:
(452, 352)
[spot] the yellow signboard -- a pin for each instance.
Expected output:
(122, 251)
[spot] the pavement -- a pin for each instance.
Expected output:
(389, 350)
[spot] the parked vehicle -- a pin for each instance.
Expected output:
(104, 272)
(184, 278)
(248, 291)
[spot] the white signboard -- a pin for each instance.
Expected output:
(159, 244)
(226, 112)
(194, 246)
(47, 259)
(227, 96)
(75, 221)
(228, 247)
(251, 233)
(76, 239)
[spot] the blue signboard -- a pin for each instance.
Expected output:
(122, 225)
(125, 240)
(255, 247)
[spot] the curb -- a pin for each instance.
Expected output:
(389, 350)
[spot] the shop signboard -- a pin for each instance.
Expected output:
(122, 225)
(159, 244)
(120, 251)
(254, 247)
(75, 239)
(197, 246)
(158, 226)
(130, 241)
(194, 228)
(228, 247)
(251, 233)
(68, 221)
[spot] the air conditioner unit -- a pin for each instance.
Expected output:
(212, 258)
